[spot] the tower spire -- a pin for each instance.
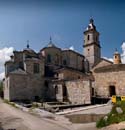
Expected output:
(28, 46)
(116, 49)
(117, 57)
(50, 39)
(91, 21)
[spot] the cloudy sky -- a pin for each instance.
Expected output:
(63, 20)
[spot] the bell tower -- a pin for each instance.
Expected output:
(92, 48)
(117, 57)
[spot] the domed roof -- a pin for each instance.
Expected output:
(28, 49)
(50, 44)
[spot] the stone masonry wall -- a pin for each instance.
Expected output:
(6, 88)
(23, 87)
(79, 91)
(70, 75)
(104, 80)
(53, 52)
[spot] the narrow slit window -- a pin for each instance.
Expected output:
(88, 37)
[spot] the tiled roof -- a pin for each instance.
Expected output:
(110, 68)
(18, 71)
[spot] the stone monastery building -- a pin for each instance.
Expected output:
(55, 74)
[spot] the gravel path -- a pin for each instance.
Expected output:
(13, 118)
(98, 110)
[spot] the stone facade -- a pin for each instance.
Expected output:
(79, 91)
(64, 75)
(62, 58)
(73, 59)
(32, 76)
(72, 91)
(109, 80)
(24, 76)
(69, 74)
(22, 87)
(53, 74)
(92, 48)
(71, 86)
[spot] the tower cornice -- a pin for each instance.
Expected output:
(92, 30)
(92, 44)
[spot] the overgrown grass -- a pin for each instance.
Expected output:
(113, 116)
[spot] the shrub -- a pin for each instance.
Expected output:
(113, 116)
(101, 123)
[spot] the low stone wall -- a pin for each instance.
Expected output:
(84, 118)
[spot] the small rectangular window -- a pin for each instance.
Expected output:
(36, 68)
(21, 65)
(64, 62)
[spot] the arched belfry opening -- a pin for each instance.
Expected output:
(112, 90)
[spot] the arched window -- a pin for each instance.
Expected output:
(21, 65)
(56, 89)
(83, 65)
(65, 94)
(93, 91)
(48, 58)
(56, 59)
(88, 37)
(46, 83)
(64, 62)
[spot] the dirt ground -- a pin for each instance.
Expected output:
(87, 126)
(120, 126)
(13, 118)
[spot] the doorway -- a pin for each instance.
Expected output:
(112, 90)
(64, 93)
